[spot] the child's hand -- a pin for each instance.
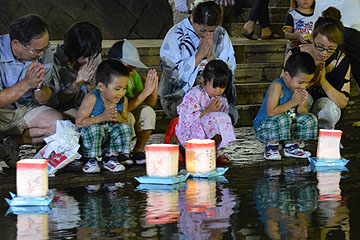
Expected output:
(109, 114)
(300, 37)
(214, 105)
(151, 81)
(299, 96)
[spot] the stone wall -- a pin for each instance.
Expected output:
(133, 19)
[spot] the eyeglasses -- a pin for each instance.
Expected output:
(321, 49)
(37, 52)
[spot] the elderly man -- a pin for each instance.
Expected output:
(25, 70)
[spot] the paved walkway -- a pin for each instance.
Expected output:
(244, 152)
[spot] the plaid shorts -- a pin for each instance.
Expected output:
(282, 127)
(98, 139)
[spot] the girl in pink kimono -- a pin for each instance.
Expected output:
(203, 113)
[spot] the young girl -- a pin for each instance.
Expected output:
(102, 118)
(203, 113)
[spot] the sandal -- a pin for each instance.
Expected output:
(222, 159)
(356, 124)
(271, 36)
(249, 36)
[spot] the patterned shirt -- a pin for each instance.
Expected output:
(177, 58)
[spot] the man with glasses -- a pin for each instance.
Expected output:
(25, 72)
(75, 61)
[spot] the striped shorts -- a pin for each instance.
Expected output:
(98, 139)
(282, 127)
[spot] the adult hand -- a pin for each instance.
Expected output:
(109, 114)
(214, 105)
(151, 82)
(86, 72)
(34, 76)
(205, 46)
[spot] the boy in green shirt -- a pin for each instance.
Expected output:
(142, 97)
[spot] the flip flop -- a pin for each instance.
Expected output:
(271, 36)
(222, 159)
(356, 124)
(249, 36)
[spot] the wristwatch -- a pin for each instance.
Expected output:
(38, 89)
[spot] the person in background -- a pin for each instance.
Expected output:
(283, 116)
(25, 72)
(299, 23)
(259, 12)
(75, 62)
(203, 113)
(142, 97)
(186, 49)
(102, 117)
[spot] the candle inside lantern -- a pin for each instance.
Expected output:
(162, 160)
(200, 156)
(329, 144)
(31, 178)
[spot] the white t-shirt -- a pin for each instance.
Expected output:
(350, 11)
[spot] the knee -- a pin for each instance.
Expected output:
(147, 119)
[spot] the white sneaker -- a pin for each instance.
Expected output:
(113, 165)
(272, 152)
(91, 166)
(293, 150)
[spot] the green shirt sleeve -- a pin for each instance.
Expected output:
(135, 85)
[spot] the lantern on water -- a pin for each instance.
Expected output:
(162, 160)
(31, 178)
(329, 144)
(200, 156)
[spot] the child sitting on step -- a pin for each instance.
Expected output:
(283, 114)
(203, 113)
(102, 117)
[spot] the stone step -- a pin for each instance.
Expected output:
(276, 14)
(235, 29)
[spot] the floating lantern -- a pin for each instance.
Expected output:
(162, 160)
(200, 156)
(31, 178)
(329, 144)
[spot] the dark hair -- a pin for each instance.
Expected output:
(83, 39)
(27, 28)
(329, 27)
(331, 12)
(108, 69)
(206, 13)
(218, 72)
(300, 61)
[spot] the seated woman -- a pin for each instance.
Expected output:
(329, 91)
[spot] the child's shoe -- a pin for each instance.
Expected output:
(139, 158)
(222, 159)
(293, 150)
(91, 166)
(113, 165)
(125, 160)
(272, 152)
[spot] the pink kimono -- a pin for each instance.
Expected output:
(191, 126)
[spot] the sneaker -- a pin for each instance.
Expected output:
(272, 152)
(91, 166)
(125, 160)
(113, 165)
(293, 150)
(139, 158)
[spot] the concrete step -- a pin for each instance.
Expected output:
(235, 29)
(277, 14)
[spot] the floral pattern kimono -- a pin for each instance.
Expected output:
(191, 126)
